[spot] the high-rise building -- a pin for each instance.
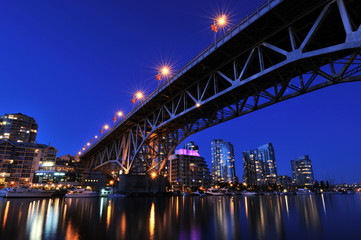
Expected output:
(252, 169)
(223, 166)
(302, 172)
(259, 165)
(191, 146)
(18, 127)
(20, 155)
(266, 155)
(187, 169)
(18, 161)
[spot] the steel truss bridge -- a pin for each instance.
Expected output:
(284, 49)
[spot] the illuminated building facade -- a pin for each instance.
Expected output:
(284, 180)
(259, 165)
(223, 166)
(302, 172)
(67, 170)
(18, 160)
(191, 146)
(188, 170)
(18, 128)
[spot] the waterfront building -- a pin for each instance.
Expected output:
(259, 165)
(187, 170)
(18, 127)
(67, 160)
(284, 180)
(47, 158)
(223, 166)
(252, 169)
(191, 146)
(19, 160)
(302, 172)
(64, 171)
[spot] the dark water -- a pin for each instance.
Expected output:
(227, 217)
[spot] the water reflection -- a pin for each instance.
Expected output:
(227, 217)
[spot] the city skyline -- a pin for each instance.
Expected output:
(70, 73)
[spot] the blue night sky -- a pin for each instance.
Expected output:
(72, 64)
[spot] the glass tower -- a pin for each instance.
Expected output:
(259, 165)
(302, 172)
(223, 167)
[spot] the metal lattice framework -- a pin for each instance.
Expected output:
(293, 55)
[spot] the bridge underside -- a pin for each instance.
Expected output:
(287, 51)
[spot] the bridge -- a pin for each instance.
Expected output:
(284, 49)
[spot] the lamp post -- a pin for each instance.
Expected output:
(138, 96)
(163, 73)
(219, 22)
(118, 114)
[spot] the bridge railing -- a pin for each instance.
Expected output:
(208, 49)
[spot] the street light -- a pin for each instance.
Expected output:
(119, 114)
(153, 175)
(164, 72)
(219, 22)
(137, 96)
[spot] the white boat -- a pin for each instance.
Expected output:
(106, 192)
(214, 192)
(25, 192)
(248, 193)
(302, 191)
(4, 191)
(81, 193)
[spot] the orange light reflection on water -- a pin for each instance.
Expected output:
(152, 221)
(109, 211)
(6, 213)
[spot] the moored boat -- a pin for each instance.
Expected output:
(81, 193)
(214, 192)
(25, 192)
(248, 193)
(302, 191)
(4, 191)
(106, 192)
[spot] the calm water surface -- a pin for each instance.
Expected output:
(226, 217)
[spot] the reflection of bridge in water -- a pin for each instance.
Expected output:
(284, 49)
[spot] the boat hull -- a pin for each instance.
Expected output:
(28, 195)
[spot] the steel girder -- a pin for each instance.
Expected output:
(294, 61)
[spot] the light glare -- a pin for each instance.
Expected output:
(139, 95)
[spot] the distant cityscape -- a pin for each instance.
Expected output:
(24, 161)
